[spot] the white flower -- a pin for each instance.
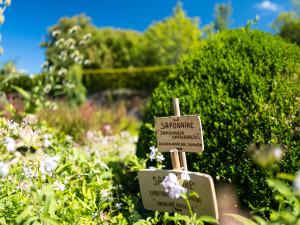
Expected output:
(10, 144)
(47, 142)
(24, 186)
(48, 165)
(59, 42)
(153, 151)
(118, 205)
(12, 126)
(59, 186)
(185, 176)
(297, 183)
(56, 33)
(104, 193)
(86, 62)
(160, 157)
(172, 186)
(28, 172)
(29, 136)
(74, 29)
(30, 120)
(4, 169)
(277, 153)
(87, 37)
(124, 134)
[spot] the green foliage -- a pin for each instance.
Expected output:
(288, 199)
(168, 40)
(46, 178)
(143, 78)
(106, 48)
(73, 89)
(19, 80)
(287, 24)
(162, 43)
(245, 87)
(116, 48)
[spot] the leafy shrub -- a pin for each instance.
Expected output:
(245, 87)
(8, 82)
(144, 78)
(46, 178)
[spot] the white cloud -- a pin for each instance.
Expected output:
(267, 5)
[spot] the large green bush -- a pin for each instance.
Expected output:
(245, 87)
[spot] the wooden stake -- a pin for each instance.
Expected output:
(182, 155)
(175, 159)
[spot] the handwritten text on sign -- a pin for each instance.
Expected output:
(181, 132)
(155, 198)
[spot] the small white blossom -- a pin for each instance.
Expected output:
(29, 136)
(12, 126)
(119, 205)
(185, 176)
(172, 186)
(104, 193)
(277, 153)
(56, 33)
(48, 165)
(10, 144)
(74, 29)
(87, 36)
(153, 151)
(296, 183)
(30, 120)
(59, 186)
(47, 142)
(28, 172)
(159, 157)
(24, 186)
(4, 169)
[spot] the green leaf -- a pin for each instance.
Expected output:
(207, 219)
(24, 214)
(22, 92)
(49, 220)
(281, 187)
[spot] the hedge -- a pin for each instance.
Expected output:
(142, 78)
(23, 81)
(245, 85)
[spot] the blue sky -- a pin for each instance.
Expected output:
(27, 21)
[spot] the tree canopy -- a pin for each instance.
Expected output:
(162, 43)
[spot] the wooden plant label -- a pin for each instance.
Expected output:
(183, 133)
(155, 198)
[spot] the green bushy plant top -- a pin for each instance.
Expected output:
(245, 86)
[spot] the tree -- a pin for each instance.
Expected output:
(222, 16)
(8, 68)
(166, 41)
(115, 48)
(66, 44)
(287, 24)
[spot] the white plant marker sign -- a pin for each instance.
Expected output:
(155, 198)
(183, 133)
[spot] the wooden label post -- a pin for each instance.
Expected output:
(177, 135)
